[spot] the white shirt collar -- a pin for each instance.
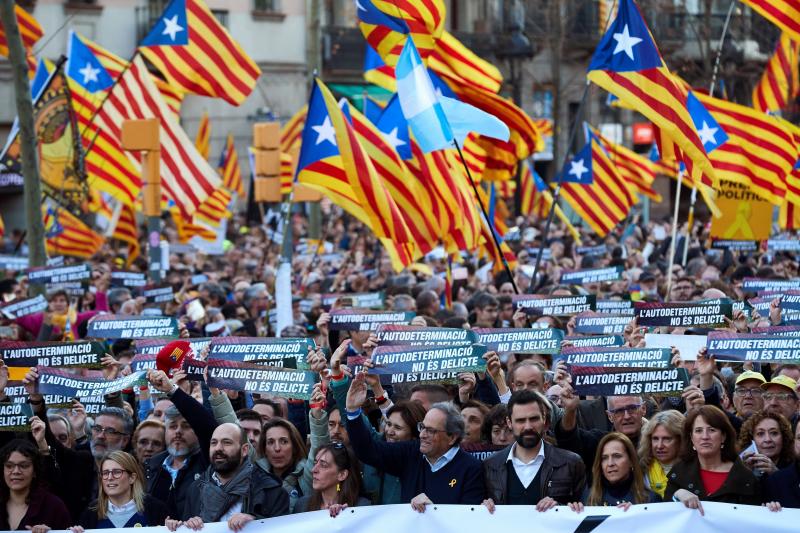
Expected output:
(442, 461)
(514, 459)
(130, 506)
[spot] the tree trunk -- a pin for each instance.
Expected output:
(32, 192)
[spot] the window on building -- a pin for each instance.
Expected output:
(221, 15)
(267, 6)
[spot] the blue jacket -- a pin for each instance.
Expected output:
(784, 486)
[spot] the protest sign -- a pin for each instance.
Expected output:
(783, 245)
(153, 346)
(264, 351)
(734, 245)
(63, 383)
(615, 307)
(125, 278)
(72, 288)
(28, 306)
(758, 284)
(399, 335)
(249, 377)
(158, 295)
(16, 391)
(361, 300)
(55, 261)
(605, 381)
(600, 249)
(681, 314)
(82, 354)
(617, 357)
(356, 320)
(783, 331)
(554, 305)
(596, 341)
(520, 340)
(62, 274)
(740, 347)
(790, 301)
(688, 345)
(592, 275)
(132, 327)
(743, 214)
(15, 416)
(13, 262)
(429, 363)
(592, 323)
(480, 450)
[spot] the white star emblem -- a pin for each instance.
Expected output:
(325, 132)
(625, 42)
(578, 169)
(359, 7)
(708, 135)
(171, 27)
(393, 139)
(89, 74)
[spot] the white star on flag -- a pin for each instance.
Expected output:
(359, 7)
(325, 132)
(708, 135)
(89, 74)
(171, 27)
(625, 42)
(393, 139)
(578, 169)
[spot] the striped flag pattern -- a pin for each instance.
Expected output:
(127, 231)
(450, 56)
(229, 168)
(211, 64)
(785, 14)
(635, 169)
(75, 238)
(780, 83)
(536, 200)
(29, 30)
(215, 208)
(203, 139)
(386, 23)
(187, 228)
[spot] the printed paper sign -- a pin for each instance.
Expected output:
(158, 295)
(554, 305)
(83, 354)
(739, 347)
(431, 363)
(249, 377)
(600, 249)
(592, 275)
(124, 278)
(615, 307)
(617, 357)
(62, 383)
(132, 327)
(362, 300)
(735, 245)
(264, 351)
(604, 381)
(688, 345)
(593, 323)
(355, 320)
(28, 306)
(12, 262)
(783, 245)
(596, 341)
(398, 335)
(681, 314)
(520, 340)
(783, 331)
(45, 275)
(15, 417)
(758, 284)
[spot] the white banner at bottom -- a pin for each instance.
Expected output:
(653, 518)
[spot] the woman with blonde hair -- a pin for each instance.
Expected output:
(660, 448)
(121, 499)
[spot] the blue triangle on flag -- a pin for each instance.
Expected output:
(319, 136)
(654, 156)
(369, 14)
(394, 127)
(441, 87)
(171, 29)
(84, 67)
(372, 60)
(627, 45)
(39, 80)
(579, 169)
(711, 133)
(538, 181)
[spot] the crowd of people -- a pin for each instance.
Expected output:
(178, 452)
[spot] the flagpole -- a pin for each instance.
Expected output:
(714, 72)
(673, 244)
(486, 217)
(557, 193)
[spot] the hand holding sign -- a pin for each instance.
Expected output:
(29, 381)
(159, 380)
(357, 393)
(775, 311)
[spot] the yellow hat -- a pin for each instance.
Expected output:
(783, 381)
(749, 374)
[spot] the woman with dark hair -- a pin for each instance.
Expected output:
(282, 452)
(772, 436)
(121, 499)
(495, 430)
(401, 421)
(617, 478)
(336, 481)
(710, 469)
(24, 502)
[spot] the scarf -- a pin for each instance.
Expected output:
(216, 499)
(62, 321)
(658, 478)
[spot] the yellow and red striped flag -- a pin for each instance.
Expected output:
(785, 14)
(450, 56)
(69, 235)
(215, 208)
(29, 30)
(187, 229)
(536, 200)
(127, 231)
(287, 173)
(292, 131)
(636, 169)
(229, 168)
(195, 53)
(780, 83)
(203, 139)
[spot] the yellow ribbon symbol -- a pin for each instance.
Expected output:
(452, 483)
(741, 224)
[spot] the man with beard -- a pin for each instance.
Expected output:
(232, 489)
(531, 471)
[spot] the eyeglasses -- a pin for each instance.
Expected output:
(743, 391)
(10, 467)
(109, 431)
(114, 473)
(625, 410)
(422, 428)
(780, 396)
